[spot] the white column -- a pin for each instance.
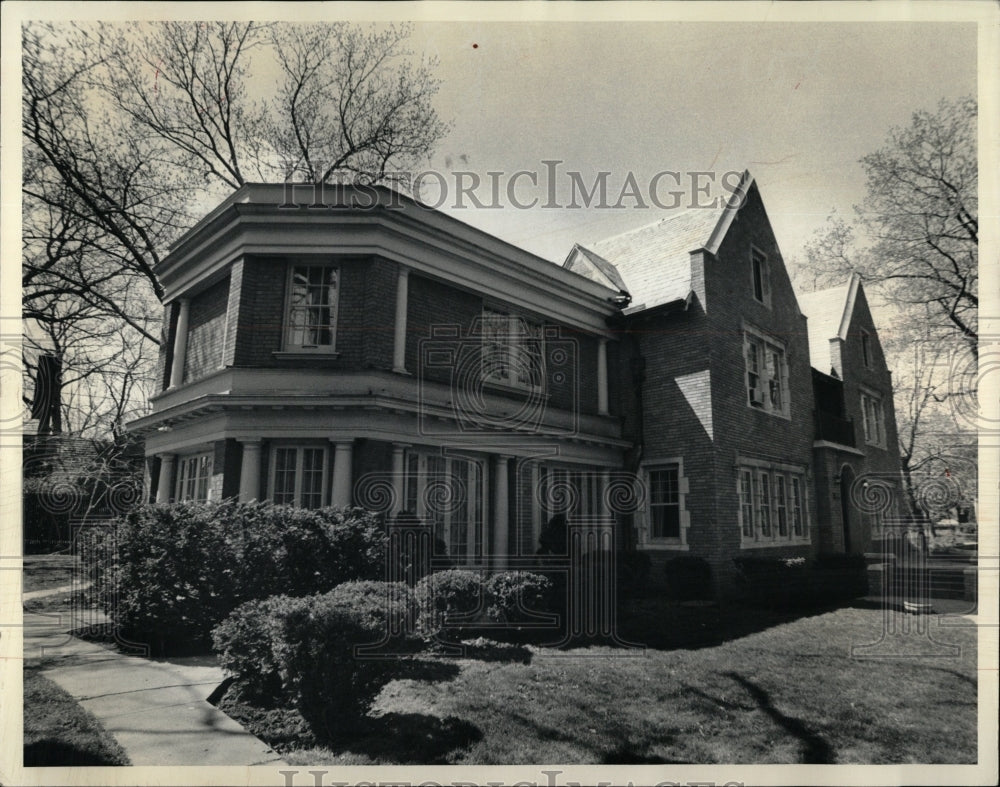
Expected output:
(602, 377)
(397, 478)
(250, 471)
(501, 512)
(342, 478)
(399, 344)
(180, 344)
(163, 486)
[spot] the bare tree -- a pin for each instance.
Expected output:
(132, 130)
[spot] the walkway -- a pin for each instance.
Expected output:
(156, 709)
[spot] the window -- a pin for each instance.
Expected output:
(193, 474)
(447, 493)
(311, 315)
(872, 418)
(570, 491)
(772, 508)
(664, 502)
(761, 277)
(767, 374)
(866, 349)
(298, 476)
(511, 350)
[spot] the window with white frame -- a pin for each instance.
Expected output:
(311, 308)
(766, 373)
(298, 476)
(772, 504)
(573, 492)
(760, 277)
(511, 350)
(872, 418)
(447, 493)
(193, 475)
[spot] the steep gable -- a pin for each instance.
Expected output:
(829, 314)
(594, 267)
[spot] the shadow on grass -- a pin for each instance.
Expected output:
(628, 755)
(815, 750)
(52, 753)
(410, 738)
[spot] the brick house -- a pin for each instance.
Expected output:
(347, 345)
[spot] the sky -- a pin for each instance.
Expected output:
(797, 103)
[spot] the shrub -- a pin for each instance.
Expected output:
(246, 643)
(389, 603)
(688, 578)
(774, 581)
(511, 595)
(178, 570)
(448, 598)
(633, 572)
(331, 686)
(839, 577)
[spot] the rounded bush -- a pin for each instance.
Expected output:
(390, 603)
(512, 595)
(448, 599)
(688, 578)
(246, 643)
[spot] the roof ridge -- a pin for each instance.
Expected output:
(657, 223)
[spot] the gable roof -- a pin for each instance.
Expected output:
(585, 262)
(829, 316)
(654, 262)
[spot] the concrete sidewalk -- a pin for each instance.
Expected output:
(156, 709)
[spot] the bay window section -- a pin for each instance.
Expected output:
(298, 476)
(446, 492)
(193, 474)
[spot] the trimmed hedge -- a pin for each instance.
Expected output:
(689, 578)
(177, 570)
(795, 583)
(446, 596)
(302, 650)
(511, 595)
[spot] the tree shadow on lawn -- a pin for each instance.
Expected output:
(52, 753)
(409, 738)
(663, 625)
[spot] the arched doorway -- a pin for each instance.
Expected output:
(848, 513)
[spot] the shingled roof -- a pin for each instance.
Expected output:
(829, 313)
(654, 262)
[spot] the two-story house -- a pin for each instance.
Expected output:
(350, 346)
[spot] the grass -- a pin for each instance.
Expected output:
(58, 732)
(46, 572)
(720, 686)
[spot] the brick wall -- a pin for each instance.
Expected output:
(206, 331)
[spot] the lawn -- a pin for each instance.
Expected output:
(729, 686)
(43, 572)
(58, 732)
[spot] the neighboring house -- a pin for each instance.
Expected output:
(857, 464)
(367, 350)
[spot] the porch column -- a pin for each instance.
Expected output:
(602, 377)
(166, 482)
(399, 343)
(397, 478)
(180, 344)
(501, 512)
(250, 471)
(342, 478)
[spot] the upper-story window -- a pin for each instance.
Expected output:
(866, 349)
(761, 277)
(311, 311)
(512, 350)
(766, 373)
(873, 418)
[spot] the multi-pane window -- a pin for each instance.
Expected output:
(767, 374)
(760, 276)
(311, 319)
(772, 505)
(511, 350)
(193, 473)
(570, 492)
(447, 493)
(664, 502)
(298, 476)
(872, 418)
